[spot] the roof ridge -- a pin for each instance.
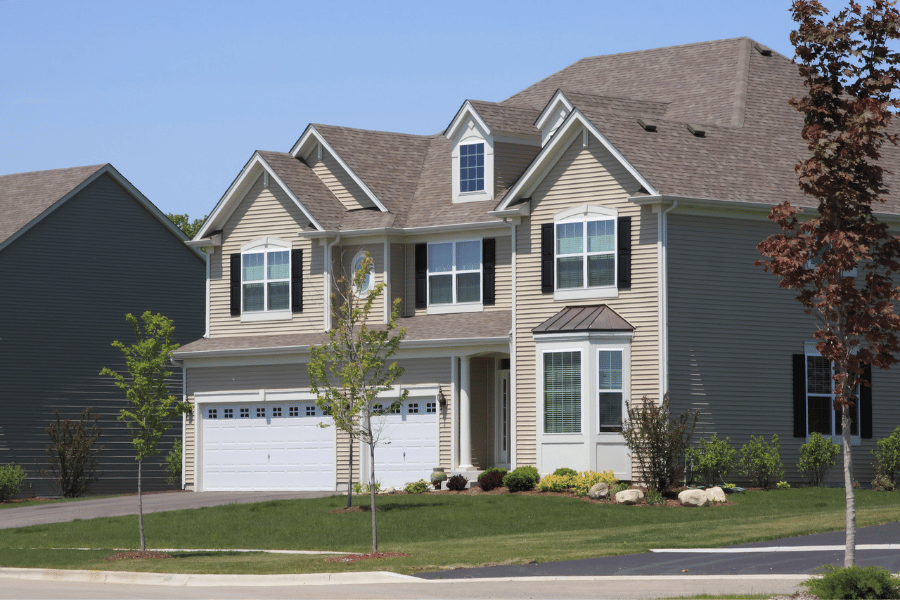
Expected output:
(95, 168)
(412, 135)
(741, 82)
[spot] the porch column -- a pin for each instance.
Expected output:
(465, 414)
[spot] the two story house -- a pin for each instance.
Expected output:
(585, 243)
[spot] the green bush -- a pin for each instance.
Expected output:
(416, 487)
(365, 488)
(658, 442)
(712, 460)
(521, 479)
(881, 483)
(565, 472)
(854, 582)
(11, 478)
(761, 462)
(457, 483)
(887, 456)
(555, 483)
(491, 478)
(783, 485)
(585, 480)
(655, 497)
(817, 456)
(619, 487)
(173, 463)
(438, 476)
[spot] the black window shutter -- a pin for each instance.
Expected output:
(547, 258)
(800, 395)
(236, 284)
(296, 281)
(421, 275)
(489, 261)
(865, 404)
(624, 225)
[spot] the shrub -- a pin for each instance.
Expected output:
(416, 487)
(365, 488)
(887, 456)
(658, 442)
(565, 472)
(73, 458)
(655, 497)
(817, 456)
(712, 460)
(173, 463)
(854, 582)
(881, 483)
(491, 478)
(11, 478)
(762, 462)
(783, 485)
(555, 483)
(588, 479)
(438, 476)
(619, 487)
(521, 479)
(457, 483)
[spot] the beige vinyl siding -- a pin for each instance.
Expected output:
(502, 275)
(189, 450)
(336, 178)
(397, 275)
(510, 161)
(584, 176)
(732, 334)
(265, 212)
(342, 257)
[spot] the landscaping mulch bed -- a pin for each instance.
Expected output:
(349, 558)
(671, 499)
(138, 555)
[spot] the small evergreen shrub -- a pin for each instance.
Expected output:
(881, 483)
(565, 472)
(416, 487)
(173, 463)
(761, 462)
(817, 456)
(712, 460)
(588, 479)
(521, 479)
(854, 582)
(457, 483)
(491, 478)
(436, 478)
(555, 483)
(11, 478)
(887, 456)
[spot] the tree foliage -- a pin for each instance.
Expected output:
(184, 223)
(73, 454)
(841, 261)
(351, 371)
(150, 407)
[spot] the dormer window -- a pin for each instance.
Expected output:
(471, 168)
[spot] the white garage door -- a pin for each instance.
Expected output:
(412, 451)
(254, 446)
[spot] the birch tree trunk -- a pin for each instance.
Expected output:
(141, 508)
(350, 477)
(372, 494)
(850, 547)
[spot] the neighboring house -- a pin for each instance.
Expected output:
(587, 242)
(80, 248)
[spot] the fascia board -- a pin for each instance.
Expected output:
(401, 231)
(549, 109)
(465, 110)
(312, 133)
(236, 193)
(551, 153)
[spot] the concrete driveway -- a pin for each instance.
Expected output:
(60, 512)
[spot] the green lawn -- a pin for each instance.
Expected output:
(438, 531)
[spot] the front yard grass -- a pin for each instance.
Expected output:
(439, 531)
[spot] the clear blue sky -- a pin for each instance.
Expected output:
(178, 94)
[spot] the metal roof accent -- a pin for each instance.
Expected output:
(572, 319)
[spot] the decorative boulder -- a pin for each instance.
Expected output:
(693, 498)
(599, 490)
(389, 490)
(629, 497)
(716, 494)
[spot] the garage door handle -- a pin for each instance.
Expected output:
(404, 457)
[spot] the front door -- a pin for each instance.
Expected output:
(504, 398)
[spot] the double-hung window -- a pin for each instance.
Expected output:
(586, 254)
(821, 416)
(611, 389)
(562, 392)
(266, 280)
(471, 167)
(454, 273)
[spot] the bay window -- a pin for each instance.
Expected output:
(562, 392)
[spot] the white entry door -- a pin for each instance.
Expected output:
(258, 446)
(408, 450)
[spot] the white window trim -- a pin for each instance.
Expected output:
(455, 307)
(473, 132)
(809, 349)
(263, 246)
(584, 214)
(626, 381)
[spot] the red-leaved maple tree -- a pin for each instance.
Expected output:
(842, 260)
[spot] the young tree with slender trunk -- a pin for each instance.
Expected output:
(151, 407)
(351, 371)
(842, 260)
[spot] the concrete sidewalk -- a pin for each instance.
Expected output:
(60, 512)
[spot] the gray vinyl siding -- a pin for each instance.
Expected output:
(68, 283)
(732, 332)
(584, 176)
(265, 212)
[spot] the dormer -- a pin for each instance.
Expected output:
(472, 156)
(553, 116)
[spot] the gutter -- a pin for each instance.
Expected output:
(513, 222)
(407, 231)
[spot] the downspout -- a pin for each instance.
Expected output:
(207, 253)
(512, 354)
(327, 286)
(387, 281)
(183, 415)
(663, 276)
